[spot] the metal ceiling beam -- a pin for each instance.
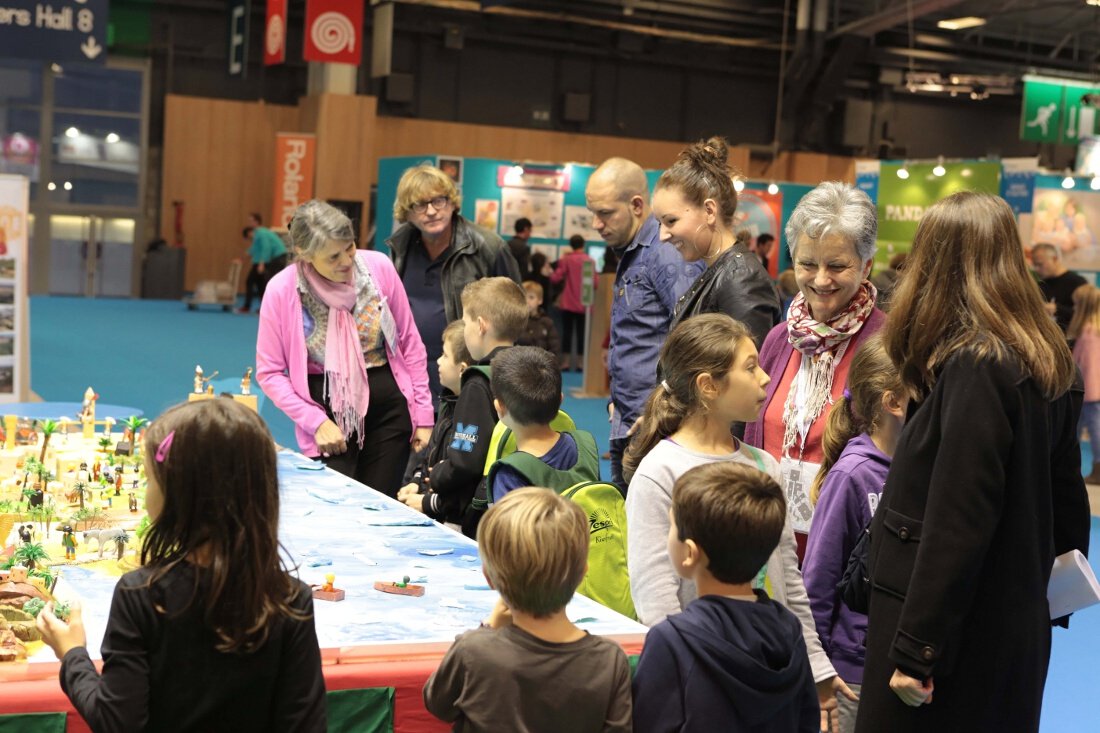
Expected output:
(892, 16)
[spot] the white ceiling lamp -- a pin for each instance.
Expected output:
(1094, 184)
(68, 186)
(1068, 182)
(72, 132)
(959, 24)
(51, 186)
(112, 137)
(738, 185)
(903, 172)
(939, 171)
(773, 188)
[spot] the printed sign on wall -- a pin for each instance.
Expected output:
(275, 33)
(294, 154)
(14, 325)
(334, 31)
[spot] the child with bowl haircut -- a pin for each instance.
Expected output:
(529, 668)
(733, 660)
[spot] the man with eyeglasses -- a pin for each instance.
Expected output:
(438, 252)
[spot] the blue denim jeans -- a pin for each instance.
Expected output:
(1090, 418)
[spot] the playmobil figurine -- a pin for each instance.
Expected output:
(328, 592)
(404, 588)
(199, 389)
(246, 382)
(133, 501)
(26, 533)
(68, 541)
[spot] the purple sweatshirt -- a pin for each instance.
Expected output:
(848, 499)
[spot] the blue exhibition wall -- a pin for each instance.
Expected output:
(495, 192)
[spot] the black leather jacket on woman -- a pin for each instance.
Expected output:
(737, 285)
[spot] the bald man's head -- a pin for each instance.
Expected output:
(617, 194)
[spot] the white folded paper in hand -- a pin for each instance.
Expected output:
(1072, 585)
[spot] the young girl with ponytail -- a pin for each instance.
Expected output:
(861, 434)
(711, 379)
(694, 201)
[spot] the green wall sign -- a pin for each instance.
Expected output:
(1054, 111)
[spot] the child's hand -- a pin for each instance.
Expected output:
(910, 690)
(421, 438)
(406, 491)
(58, 635)
(415, 501)
(499, 616)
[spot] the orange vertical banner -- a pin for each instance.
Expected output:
(294, 156)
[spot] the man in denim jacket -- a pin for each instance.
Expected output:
(649, 281)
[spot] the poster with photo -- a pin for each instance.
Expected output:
(14, 351)
(578, 220)
(544, 208)
(487, 214)
(452, 167)
(1070, 220)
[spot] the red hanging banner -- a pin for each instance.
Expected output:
(275, 33)
(334, 31)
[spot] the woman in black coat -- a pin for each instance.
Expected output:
(985, 488)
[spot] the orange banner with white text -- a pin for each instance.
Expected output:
(294, 156)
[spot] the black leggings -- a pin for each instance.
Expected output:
(572, 323)
(387, 434)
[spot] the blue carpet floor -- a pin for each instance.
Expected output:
(143, 353)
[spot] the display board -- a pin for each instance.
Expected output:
(1067, 218)
(15, 378)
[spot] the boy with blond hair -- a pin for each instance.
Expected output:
(529, 667)
(733, 660)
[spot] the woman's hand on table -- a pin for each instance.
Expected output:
(329, 439)
(60, 636)
(421, 436)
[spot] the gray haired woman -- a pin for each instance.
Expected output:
(339, 353)
(831, 236)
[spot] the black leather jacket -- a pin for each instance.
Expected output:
(737, 285)
(475, 253)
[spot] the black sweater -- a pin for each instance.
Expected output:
(161, 671)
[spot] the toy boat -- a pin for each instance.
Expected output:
(401, 589)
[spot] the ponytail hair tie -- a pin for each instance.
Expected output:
(667, 389)
(847, 394)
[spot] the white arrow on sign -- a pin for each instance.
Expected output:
(90, 48)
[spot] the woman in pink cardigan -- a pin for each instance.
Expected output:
(339, 353)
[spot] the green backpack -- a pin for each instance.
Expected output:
(607, 581)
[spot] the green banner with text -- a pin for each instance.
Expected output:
(902, 202)
(1059, 111)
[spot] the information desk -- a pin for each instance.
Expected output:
(331, 524)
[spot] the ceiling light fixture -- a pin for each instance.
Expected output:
(738, 185)
(72, 132)
(1068, 182)
(112, 137)
(1094, 184)
(958, 24)
(773, 188)
(903, 172)
(939, 171)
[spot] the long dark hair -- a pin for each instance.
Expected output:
(703, 344)
(871, 375)
(221, 504)
(966, 287)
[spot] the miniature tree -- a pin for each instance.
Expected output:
(133, 425)
(34, 606)
(120, 543)
(105, 444)
(80, 488)
(30, 554)
(47, 428)
(47, 514)
(44, 573)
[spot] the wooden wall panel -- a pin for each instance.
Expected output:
(218, 162)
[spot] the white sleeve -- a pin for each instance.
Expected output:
(653, 581)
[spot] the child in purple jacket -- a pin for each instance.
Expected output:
(860, 436)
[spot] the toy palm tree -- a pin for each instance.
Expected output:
(105, 444)
(133, 425)
(47, 428)
(30, 554)
(80, 488)
(120, 544)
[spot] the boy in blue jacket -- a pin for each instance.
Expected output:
(733, 660)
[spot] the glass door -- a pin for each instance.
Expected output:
(91, 255)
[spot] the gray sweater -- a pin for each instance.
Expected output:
(658, 591)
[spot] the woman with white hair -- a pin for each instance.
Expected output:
(339, 353)
(831, 236)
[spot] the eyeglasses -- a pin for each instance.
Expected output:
(438, 203)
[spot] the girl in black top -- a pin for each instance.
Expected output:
(211, 633)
